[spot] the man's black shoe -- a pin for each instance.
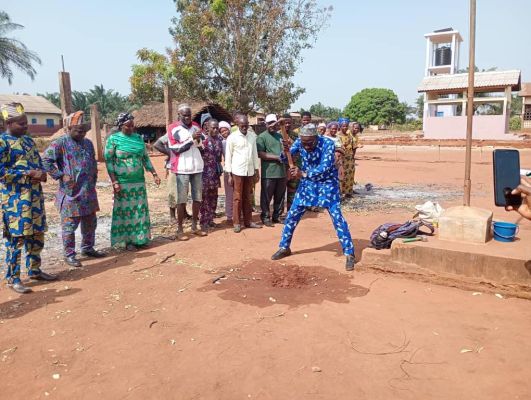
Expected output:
(73, 261)
(19, 288)
(93, 253)
(349, 265)
(43, 276)
(281, 253)
(267, 222)
(278, 221)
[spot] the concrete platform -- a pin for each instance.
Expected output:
(493, 266)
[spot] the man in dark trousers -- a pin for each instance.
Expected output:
(273, 183)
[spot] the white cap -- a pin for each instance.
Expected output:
(271, 118)
(321, 125)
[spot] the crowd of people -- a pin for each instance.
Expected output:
(311, 168)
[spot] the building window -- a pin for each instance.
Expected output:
(34, 121)
(49, 123)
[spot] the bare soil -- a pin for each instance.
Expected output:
(214, 318)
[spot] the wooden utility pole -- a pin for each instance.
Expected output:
(65, 93)
(95, 132)
(168, 105)
(470, 102)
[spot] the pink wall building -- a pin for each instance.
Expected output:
(445, 93)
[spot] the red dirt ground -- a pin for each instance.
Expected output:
(152, 324)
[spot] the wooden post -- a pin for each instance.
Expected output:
(104, 135)
(470, 103)
(65, 92)
(95, 131)
(168, 105)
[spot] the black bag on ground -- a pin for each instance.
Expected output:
(383, 236)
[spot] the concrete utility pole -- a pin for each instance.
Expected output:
(470, 103)
(95, 132)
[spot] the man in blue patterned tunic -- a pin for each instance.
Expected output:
(21, 198)
(319, 187)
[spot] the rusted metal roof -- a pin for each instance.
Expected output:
(491, 79)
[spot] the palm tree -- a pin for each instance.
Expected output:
(13, 51)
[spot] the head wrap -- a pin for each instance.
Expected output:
(73, 119)
(12, 110)
(224, 124)
(342, 121)
(183, 106)
(331, 124)
(308, 130)
(321, 125)
(123, 118)
(204, 118)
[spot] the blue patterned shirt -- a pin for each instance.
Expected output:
(320, 188)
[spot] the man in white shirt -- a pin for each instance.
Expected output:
(242, 163)
(184, 139)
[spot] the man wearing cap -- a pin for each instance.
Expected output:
(22, 199)
(184, 139)
(273, 183)
(71, 161)
(319, 187)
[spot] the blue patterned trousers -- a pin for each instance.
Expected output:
(32, 245)
(340, 225)
(88, 233)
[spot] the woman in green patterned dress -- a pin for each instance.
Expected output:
(126, 157)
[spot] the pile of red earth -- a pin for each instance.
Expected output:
(264, 283)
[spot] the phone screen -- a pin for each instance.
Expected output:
(506, 163)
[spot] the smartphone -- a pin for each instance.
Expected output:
(506, 164)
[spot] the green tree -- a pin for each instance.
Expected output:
(149, 77)
(13, 51)
(419, 109)
(376, 106)
(110, 103)
(52, 98)
(242, 54)
(330, 113)
(516, 105)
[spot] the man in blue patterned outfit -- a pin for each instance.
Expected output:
(21, 198)
(319, 187)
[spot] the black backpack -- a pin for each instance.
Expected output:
(383, 236)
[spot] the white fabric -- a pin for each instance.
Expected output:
(429, 211)
(270, 118)
(190, 161)
(241, 156)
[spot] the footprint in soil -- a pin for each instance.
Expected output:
(264, 283)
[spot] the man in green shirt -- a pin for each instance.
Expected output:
(273, 183)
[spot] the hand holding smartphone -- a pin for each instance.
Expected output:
(506, 164)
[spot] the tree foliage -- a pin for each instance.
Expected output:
(419, 106)
(329, 113)
(242, 54)
(14, 52)
(149, 77)
(375, 106)
(110, 103)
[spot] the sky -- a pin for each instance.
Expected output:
(377, 43)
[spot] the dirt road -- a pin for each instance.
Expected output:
(213, 318)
